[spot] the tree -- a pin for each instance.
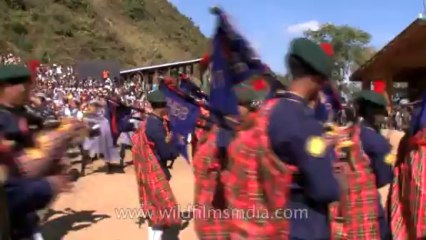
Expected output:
(351, 46)
(284, 79)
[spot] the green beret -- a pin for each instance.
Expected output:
(372, 97)
(156, 97)
(312, 54)
(246, 92)
(14, 74)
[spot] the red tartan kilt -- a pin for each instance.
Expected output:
(408, 194)
(355, 216)
(257, 181)
(161, 201)
(254, 193)
(156, 196)
(343, 214)
(209, 223)
(199, 132)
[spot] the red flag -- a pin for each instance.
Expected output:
(379, 86)
(327, 48)
(205, 62)
(33, 65)
(259, 84)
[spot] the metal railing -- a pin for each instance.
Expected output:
(166, 65)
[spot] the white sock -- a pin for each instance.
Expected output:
(37, 236)
(158, 234)
(150, 233)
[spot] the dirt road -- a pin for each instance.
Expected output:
(89, 212)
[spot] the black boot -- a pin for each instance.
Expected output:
(122, 155)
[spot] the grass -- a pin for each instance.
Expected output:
(136, 32)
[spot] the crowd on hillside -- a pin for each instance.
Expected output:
(53, 80)
(9, 59)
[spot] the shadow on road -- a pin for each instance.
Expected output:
(70, 221)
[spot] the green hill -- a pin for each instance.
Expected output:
(136, 32)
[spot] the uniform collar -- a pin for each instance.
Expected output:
(295, 97)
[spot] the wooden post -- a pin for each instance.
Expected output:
(191, 69)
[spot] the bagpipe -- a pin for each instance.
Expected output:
(49, 132)
(39, 124)
(167, 122)
(187, 97)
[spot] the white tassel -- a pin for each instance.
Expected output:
(37, 236)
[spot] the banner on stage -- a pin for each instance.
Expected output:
(97, 69)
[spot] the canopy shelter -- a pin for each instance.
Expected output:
(402, 60)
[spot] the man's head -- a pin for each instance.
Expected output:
(158, 102)
(15, 85)
(371, 106)
(249, 94)
(310, 67)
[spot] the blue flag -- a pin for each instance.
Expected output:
(190, 88)
(183, 118)
(332, 97)
(330, 106)
(222, 97)
(246, 58)
(233, 61)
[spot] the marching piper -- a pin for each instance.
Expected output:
(407, 202)
(152, 149)
(364, 165)
(35, 176)
(284, 161)
(210, 166)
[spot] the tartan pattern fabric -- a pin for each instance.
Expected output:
(355, 216)
(407, 207)
(257, 180)
(202, 122)
(210, 222)
(155, 194)
(200, 131)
